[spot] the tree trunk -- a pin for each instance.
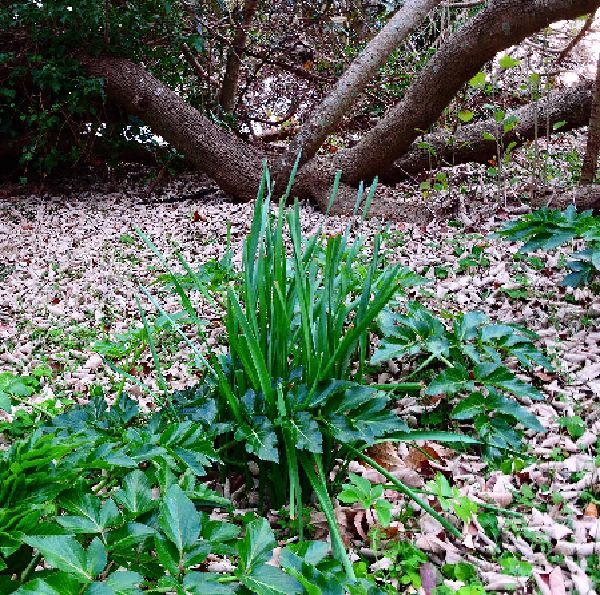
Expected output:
(234, 58)
(590, 161)
(468, 145)
(501, 24)
(234, 165)
(341, 98)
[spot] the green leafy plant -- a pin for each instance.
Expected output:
(108, 501)
(472, 354)
(16, 389)
(547, 229)
(461, 572)
(475, 259)
(450, 498)
(574, 425)
(513, 566)
(292, 376)
(360, 490)
(407, 560)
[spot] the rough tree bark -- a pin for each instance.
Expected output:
(590, 161)
(468, 145)
(350, 85)
(501, 24)
(234, 165)
(234, 57)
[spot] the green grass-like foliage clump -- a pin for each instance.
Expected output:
(547, 229)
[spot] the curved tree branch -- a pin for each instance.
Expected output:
(351, 84)
(468, 144)
(501, 24)
(234, 165)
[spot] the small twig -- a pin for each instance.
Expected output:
(582, 33)
(195, 64)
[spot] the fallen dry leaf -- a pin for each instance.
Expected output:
(385, 454)
(428, 574)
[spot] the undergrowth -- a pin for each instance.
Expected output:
(547, 229)
(111, 499)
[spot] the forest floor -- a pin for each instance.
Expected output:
(70, 267)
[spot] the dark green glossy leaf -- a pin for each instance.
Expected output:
(256, 547)
(179, 519)
(270, 580)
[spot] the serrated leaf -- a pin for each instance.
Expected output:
(497, 432)
(306, 432)
(127, 536)
(63, 552)
(466, 326)
(125, 582)
(167, 554)
(466, 115)
(383, 508)
(118, 583)
(136, 493)
(96, 557)
(37, 587)
(260, 439)
(92, 517)
(478, 80)
(451, 381)
(470, 407)
(501, 377)
(512, 408)
(257, 545)
(5, 402)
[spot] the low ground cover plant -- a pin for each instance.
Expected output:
(547, 229)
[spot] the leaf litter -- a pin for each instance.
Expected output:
(71, 275)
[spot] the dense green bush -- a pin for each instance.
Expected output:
(109, 502)
(49, 105)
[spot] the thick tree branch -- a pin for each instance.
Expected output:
(351, 84)
(571, 106)
(234, 165)
(234, 57)
(590, 160)
(501, 24)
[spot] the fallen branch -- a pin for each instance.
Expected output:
(468, 144)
